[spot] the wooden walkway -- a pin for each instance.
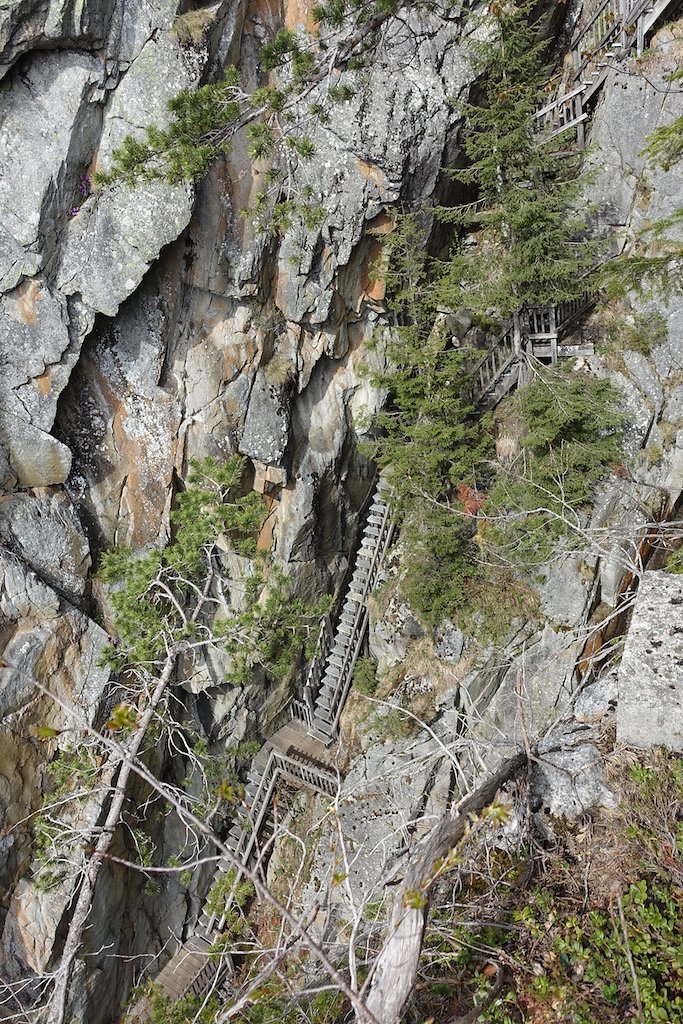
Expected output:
(608, 32)
(533, 333)
(300, 755)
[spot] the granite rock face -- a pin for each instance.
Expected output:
(650, 678)
(144, 328)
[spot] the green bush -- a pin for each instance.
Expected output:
(365, 677)
(571, 434)
(675, 561)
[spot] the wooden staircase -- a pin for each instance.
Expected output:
(534, 333)
(333, 686)
(297, 755)
(613, 30)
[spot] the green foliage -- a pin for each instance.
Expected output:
(427, 438)
(437, 455)
(201, 124)
(647, 331)
(365, 677)
(529, 248)
(148, 591)
(273, 630)
(665, 144)
(656, 268)
(228, 898)
(570, 436)
(189, 1010)
(441, 563)
(675, 561)
(227, 892)
(598, 898)
(588, 975)
(151, 591)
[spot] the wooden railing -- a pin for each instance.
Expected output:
(612, 31)
(353, 621)
(534, 331)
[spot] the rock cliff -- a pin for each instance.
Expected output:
(143, 328)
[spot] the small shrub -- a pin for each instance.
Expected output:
(190, 1010)
(641, 333)
(365, 677)
(675, 562)
(191, 28)
(224, 893)
(280, 370)
(653, 454)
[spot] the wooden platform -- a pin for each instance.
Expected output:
(182, 969)
(293, 738)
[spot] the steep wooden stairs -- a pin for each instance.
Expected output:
(612, 30)
(533, 333)
(300, 754)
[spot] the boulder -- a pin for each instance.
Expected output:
(650, 679)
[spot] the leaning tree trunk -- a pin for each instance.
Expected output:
(74, 938)
(396, 966)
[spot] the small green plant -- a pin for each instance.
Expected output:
(641, 332)
(365, 677)
(189, 1010)
(227, 892)
(675, 561)
(653, 454)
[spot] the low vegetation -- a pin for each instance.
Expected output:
(586, 929)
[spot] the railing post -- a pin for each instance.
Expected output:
(517, 333)
(623, 36)
(552, 324)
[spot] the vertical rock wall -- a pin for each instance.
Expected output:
(140, 329)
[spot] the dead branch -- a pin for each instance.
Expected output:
(395, 969)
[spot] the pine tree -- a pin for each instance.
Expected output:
(529, 249)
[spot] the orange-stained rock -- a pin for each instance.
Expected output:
(298, 15)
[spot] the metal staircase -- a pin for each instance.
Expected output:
(613, 30)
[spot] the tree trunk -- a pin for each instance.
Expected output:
(74, 938)
(396, 966)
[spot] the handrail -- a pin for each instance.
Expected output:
(564, 98)
(360, 617)
(527, 321)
